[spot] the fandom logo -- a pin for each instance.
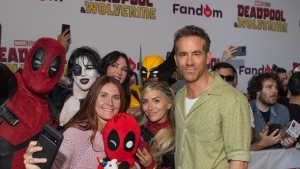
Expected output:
(253, 71)
(132, 64)
(200, 11)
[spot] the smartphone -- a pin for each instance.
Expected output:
(141, 145)
(272, 127)
(65, 27)
(241, 51)
(50, 139)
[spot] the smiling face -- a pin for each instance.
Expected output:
(155, 106)
(118, 70)
(268, 94)
(88, 74)
(108, 102)
(191, 58)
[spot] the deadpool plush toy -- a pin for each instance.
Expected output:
(121, 136)
(24, 107)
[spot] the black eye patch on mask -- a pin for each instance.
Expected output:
(76, 70)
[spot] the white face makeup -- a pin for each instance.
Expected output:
(87, 76)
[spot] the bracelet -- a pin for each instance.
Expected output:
(260, 145)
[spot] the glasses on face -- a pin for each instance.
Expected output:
(227, 78)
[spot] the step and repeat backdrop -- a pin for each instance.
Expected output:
(270, 29)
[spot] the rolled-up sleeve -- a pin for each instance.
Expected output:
(236, 129)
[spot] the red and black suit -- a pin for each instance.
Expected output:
(23, 99)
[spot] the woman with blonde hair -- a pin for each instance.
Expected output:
(157, 126)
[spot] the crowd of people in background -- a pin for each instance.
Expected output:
(206, 124)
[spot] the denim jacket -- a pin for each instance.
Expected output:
(279, 114)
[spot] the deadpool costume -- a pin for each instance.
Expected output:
(24, 107)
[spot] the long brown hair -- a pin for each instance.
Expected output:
(87, 116)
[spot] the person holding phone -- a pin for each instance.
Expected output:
(24, 107)
(263, 91)
(228, 53)
(83, 140)
(157, 126)
(65, 37)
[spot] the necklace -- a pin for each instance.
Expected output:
(205, 88)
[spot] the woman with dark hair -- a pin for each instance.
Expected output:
(134, 79)
(116, 64)
(83, 70)
(92, 56)
(83, 140)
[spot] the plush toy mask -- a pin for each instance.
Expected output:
(121, 136)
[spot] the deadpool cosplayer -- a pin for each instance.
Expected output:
(24, 107)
